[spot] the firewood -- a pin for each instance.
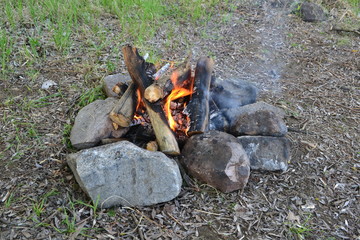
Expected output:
(115, 126)
(120, 88)
(198, 107)
(123, 112)
(152, 146)
(164, 136)
(183, 72)
(162, 70)
(153, 93)
(116, 89)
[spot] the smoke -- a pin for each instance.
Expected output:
(270, 65)
(259, 50)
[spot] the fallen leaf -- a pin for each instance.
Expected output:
(292, 217)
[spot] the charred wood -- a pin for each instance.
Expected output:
(198, 107)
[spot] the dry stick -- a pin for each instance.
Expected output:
(338, 29)
(136, 68)
(198, 107)
(141, 234)
(123, 111)
(162, 70)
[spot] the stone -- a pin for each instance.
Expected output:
(267, 153)
(92, 124)
(111, 80)
(233, 94)
(256, 119)
(48, 84)
(218, 159)
(124, 174)
(310, 12)
(218, 121)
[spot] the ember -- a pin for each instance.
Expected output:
(181, 121)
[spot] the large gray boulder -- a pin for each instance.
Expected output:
(92, 124)
(256, 119)
(124, 174)
(111, 80)
(217, 159)
(267, 153)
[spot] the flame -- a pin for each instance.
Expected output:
(139, 101)
(139, 110)
(176, 93)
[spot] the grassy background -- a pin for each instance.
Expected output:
(65, 24)
(68, 26)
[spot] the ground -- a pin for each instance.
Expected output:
(307, 69)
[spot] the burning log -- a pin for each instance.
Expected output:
(123, 112)
(136, 68)
(153, 93)
(183, 72)
(198, 107)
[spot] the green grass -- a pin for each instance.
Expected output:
(92, 206)
(69, 222)
(9, 200)
(40, 102)
(344, 41)
(6, 46)
(66, 135)
(38, 206)
(62, 21)
(301, 230)
(91, 95)
(355, 6)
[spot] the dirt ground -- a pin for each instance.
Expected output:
(307, 69)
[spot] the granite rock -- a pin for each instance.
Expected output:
(123, 174)
(111, 80)
(256, 119)
(267, 153)
(92, 124)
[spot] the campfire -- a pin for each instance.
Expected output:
(174, 101)
(168, 110)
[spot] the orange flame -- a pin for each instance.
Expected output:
(139, 101)
(176, 93)
(139, 108)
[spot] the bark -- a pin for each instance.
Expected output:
(198, 107)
